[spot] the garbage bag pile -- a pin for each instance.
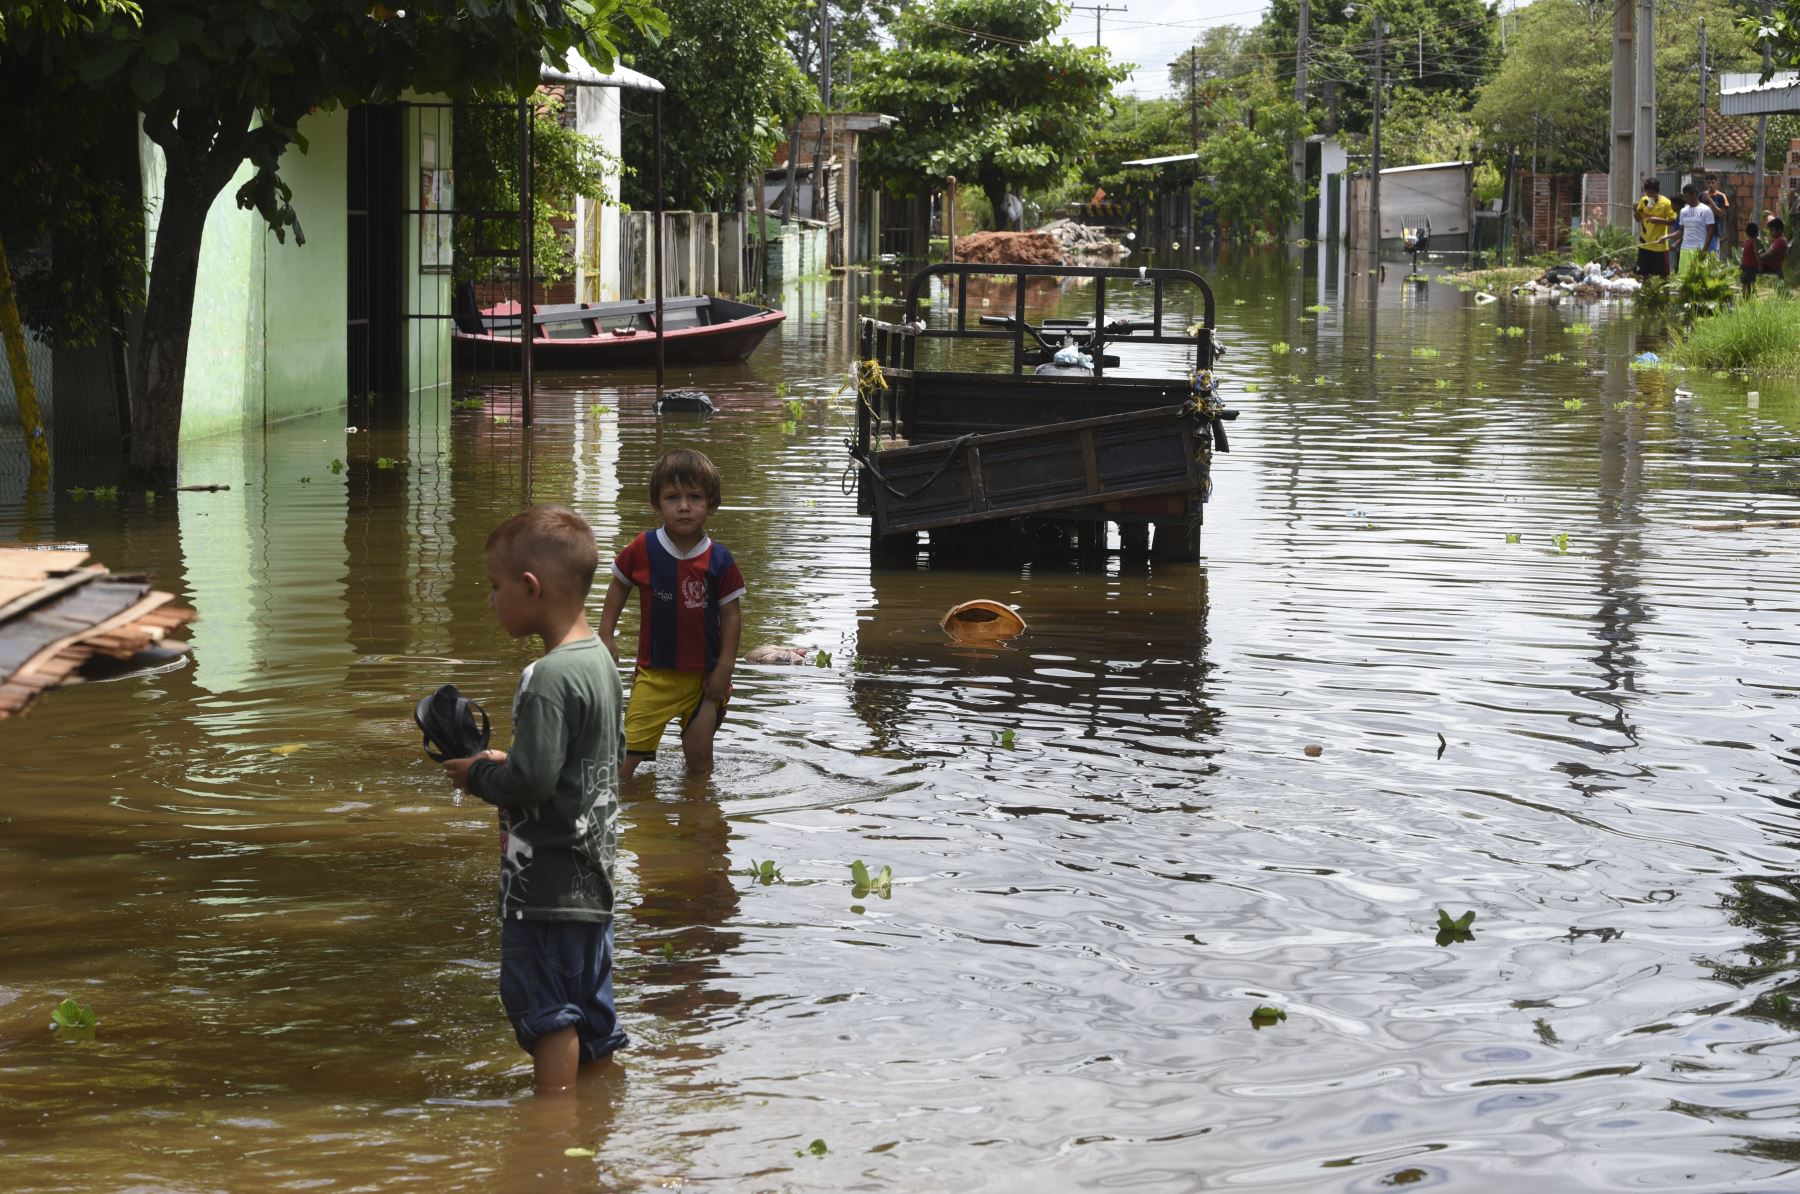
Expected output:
(1594, 280)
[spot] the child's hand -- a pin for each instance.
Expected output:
(717, 687)
(458, 769)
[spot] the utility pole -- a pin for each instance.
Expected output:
(1097, 10)
(1762, 132)
(825, 55)
(1643, 133)
(1193, 105)
(1298, 153)
(1622, 176)
(1375, 154)
(1700, 157)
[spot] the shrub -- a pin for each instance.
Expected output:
(1608, 244)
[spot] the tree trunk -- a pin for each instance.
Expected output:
(201, 156)
(31, 422)
(994, 187)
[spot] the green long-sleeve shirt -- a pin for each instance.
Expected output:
(558, 791)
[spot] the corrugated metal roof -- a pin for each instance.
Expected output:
(1742, 93)
(1424, 166)
(580, 72)
(1174, 157)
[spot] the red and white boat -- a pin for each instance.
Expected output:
(697, 330)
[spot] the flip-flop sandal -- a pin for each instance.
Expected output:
(447, 719)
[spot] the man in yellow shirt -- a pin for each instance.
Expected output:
(1657, 216)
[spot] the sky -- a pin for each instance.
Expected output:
(1150, 33)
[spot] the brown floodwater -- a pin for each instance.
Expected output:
(1110, 841)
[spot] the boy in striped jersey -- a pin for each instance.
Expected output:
(691, 619)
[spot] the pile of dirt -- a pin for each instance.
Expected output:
(1010, 248)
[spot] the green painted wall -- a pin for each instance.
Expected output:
(304, 285)
(269, 317)
(269, 330)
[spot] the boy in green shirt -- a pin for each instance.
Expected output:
(557, 791)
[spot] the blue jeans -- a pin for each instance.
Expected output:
(557, 974)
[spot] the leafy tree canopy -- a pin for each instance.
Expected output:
(1432, 45)
(980, 91)
(1554, 90)
(732, 88)
(1781, 28)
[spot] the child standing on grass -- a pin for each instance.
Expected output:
(691, 619)
(557, 790)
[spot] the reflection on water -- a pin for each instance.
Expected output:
(1453, 559)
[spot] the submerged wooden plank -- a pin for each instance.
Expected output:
(125, 617)
(65, 619)
(14, 602)
(39, 562)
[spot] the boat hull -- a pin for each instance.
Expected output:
(702, 344)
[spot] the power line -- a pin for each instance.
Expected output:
(1098, 10)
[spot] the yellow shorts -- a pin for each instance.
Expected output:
(658, 697)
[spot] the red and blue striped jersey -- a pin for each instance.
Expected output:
(681, 594)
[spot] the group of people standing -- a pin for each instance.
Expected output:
(1674, 239)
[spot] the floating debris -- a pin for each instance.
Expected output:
(58, 613)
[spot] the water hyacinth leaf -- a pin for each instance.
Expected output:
(1459, 924)
(859, 873)
(1266, 1016)
(69, 1016)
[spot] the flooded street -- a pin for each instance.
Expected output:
(1109, 837)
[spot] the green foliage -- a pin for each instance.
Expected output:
(1573, 404)
(1006, 739)
(385, 462)
(71, 227)
(1554, 88)
(1512, 537)
(1609, 244)
(1245, 161)
(1781, 27)
(73, 1021)
(1561, 539)
(765, 872)
(1267, 1016)
(567, 164)
(1454, 929)
(1763, 333)
(981, 90)
(1420, 126)
(822, 659)
(863, 881)
(468, 404)
(1704, 285)
(1460, 46)
(1280, 348)
(732, 87)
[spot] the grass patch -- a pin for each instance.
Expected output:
(1763, 333)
